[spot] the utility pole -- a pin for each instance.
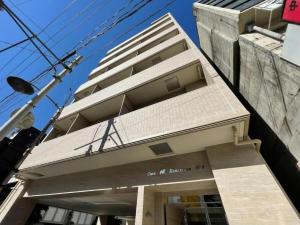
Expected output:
(21, 113)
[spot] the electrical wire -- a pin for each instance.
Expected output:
(11, 59)
(70, 21)
(32, 21)
(12, 95)
(66, 25)
(89, 6)
(9, 98)
(36, 59)
(27, 49)
(138, 6)
(115, 23)
(128, 30)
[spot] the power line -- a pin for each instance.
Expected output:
(138, 6)
(129, 30)
(12, 95)
(66, 25)
(31, 20)
(17, 45)
(119, 20)
(9, 61)
(27, 31)
(36, 59)
(9, 97)
(57, 32)
(114, 16)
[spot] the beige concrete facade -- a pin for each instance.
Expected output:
(247, 186)
(130, 147)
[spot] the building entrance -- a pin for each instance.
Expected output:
(195, 210)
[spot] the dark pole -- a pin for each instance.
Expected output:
(14, 45)
(22, 25)
(24, 31)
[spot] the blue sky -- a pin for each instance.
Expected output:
(75, 20)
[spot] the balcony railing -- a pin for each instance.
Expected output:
(152, 41)
(147, 59)
(128, 96)
(141, 34)
(104, 67)
(137, 43)
(205, 116)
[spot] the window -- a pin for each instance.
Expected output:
(54, 215)
(199, 209)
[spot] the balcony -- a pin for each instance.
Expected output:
(155, 55)
(151, 42)
(104, 68)
(178, 75)
(188, 122)
(135, 39)
(138, 42)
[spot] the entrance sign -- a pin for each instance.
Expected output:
(291, 11)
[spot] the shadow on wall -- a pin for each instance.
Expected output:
(110, 130)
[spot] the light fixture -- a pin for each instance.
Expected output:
(20, 85)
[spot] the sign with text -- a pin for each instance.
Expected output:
(291, 11)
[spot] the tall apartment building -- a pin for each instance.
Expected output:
(154, 137)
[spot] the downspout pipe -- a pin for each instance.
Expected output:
(269, 33)
(237, 142)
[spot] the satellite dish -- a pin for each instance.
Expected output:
(26, 122)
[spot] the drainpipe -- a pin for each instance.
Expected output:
(237, 142)
(269, 33)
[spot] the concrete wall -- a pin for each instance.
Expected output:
(272, 86)
(145, 209)
(161, 32)
(130, 175)
(249, 192)
(15, 210)
(219, 30)
(190, 110)
(266, 84)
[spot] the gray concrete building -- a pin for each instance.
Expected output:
(245, 41)
(154, 137)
